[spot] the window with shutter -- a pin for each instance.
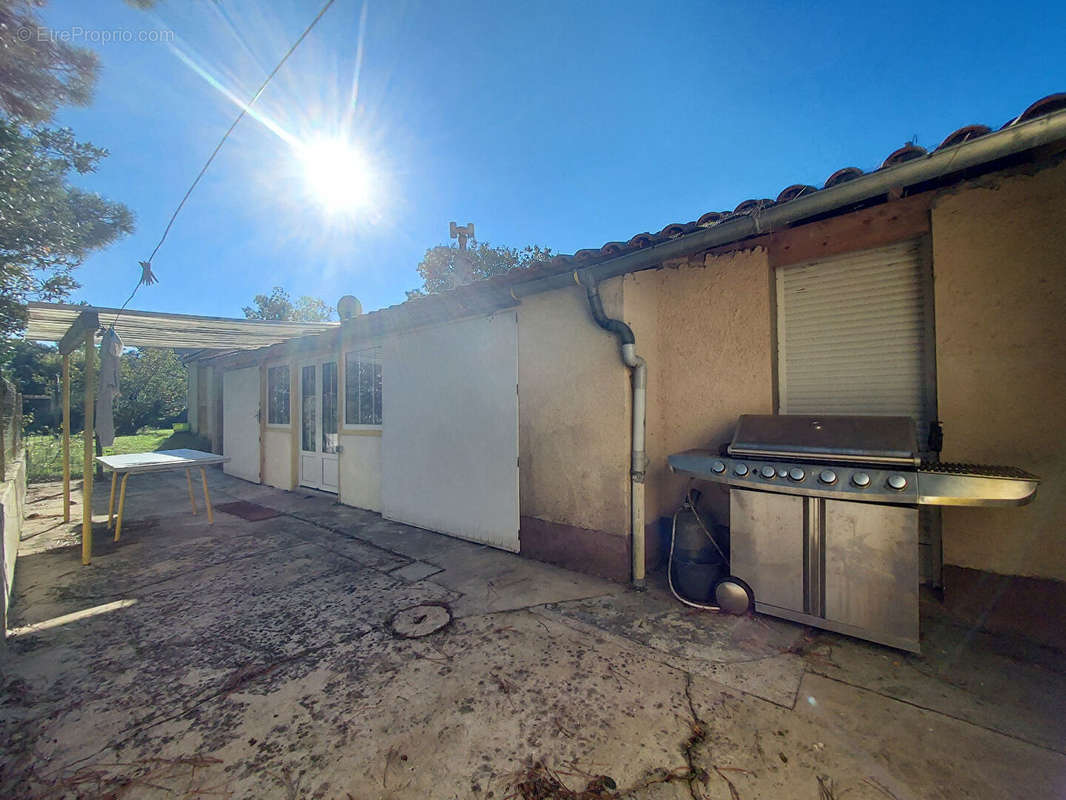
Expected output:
(855, 335)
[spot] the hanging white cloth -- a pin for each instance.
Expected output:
(110, 364)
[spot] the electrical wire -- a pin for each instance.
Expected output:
(147, 277)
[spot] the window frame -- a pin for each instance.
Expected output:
(375, 356)
(269, 397)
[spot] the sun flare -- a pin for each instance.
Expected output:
(337, 174)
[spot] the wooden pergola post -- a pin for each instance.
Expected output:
(82, 332)
(66, 437)
(87, 474)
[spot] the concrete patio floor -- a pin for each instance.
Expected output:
(255, 659)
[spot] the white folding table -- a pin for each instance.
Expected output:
(158, 461)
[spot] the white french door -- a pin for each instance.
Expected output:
(319, 418)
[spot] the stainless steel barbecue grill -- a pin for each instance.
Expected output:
(824, 516)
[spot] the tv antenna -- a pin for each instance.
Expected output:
(461, 232)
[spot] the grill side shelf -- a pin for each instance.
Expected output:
(946, 488)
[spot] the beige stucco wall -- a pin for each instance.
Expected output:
(999, 256)
(573, 412)
(705, 328)
(277, 455)
(360, 471)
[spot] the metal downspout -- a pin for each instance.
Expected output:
(638, 459)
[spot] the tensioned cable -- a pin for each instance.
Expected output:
(147, 276)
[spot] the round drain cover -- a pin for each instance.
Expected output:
(420, 620)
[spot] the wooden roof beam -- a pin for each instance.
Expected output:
(86, 323)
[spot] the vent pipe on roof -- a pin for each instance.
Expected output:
(638, 459)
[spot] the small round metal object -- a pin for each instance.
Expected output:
(718, 467)
(782, 472)
(897, 482)
(740, 470)
(860, 479)
(797, 474)
(420, 620)
(827, 476)
(732, 596)
(768, 472)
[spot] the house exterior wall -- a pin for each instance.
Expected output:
(277, 457)
(359, 462)
(998, 261)
(360, 470)
(704, 326)
(573, 433)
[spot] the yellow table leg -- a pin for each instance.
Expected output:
(192, 496)
(121, 505)
(207, 498)
(111, 502)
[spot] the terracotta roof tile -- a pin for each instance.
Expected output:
(711, 218)
(466, 298)
(908, 152)
(794, 191)
(640, 240)
(964, 135)
(1045, 105)
(842, 176)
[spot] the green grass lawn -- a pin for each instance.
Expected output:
(45, 453)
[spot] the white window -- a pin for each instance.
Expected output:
(855, 335)
(362, 387)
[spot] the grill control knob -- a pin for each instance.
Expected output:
(827, 476)
(797, 474)
(861, 479)
(718, 467)
(768, 472)
(897, 482)
(782, 472)
(740, 470)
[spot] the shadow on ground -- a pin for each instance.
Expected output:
(256, 659)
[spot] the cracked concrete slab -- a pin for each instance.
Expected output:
(256, 661)
(754, 654)
(415, 571)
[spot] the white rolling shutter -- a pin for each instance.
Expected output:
(855, 335)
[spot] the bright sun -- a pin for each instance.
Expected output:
(337, 175)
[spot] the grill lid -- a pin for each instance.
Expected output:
(848, 439)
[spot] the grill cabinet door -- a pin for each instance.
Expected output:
(766, 546)
(871, 569)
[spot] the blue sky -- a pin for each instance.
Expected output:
(566, 124)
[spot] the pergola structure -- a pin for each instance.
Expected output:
(74, 326)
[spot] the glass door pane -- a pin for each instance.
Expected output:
(330, 396)
(308, 408)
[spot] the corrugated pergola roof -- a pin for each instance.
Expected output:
(49, 322)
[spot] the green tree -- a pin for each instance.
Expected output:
(278, 305)
(446, 266)
(38, 72)
(151, 390)
(47, 226)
